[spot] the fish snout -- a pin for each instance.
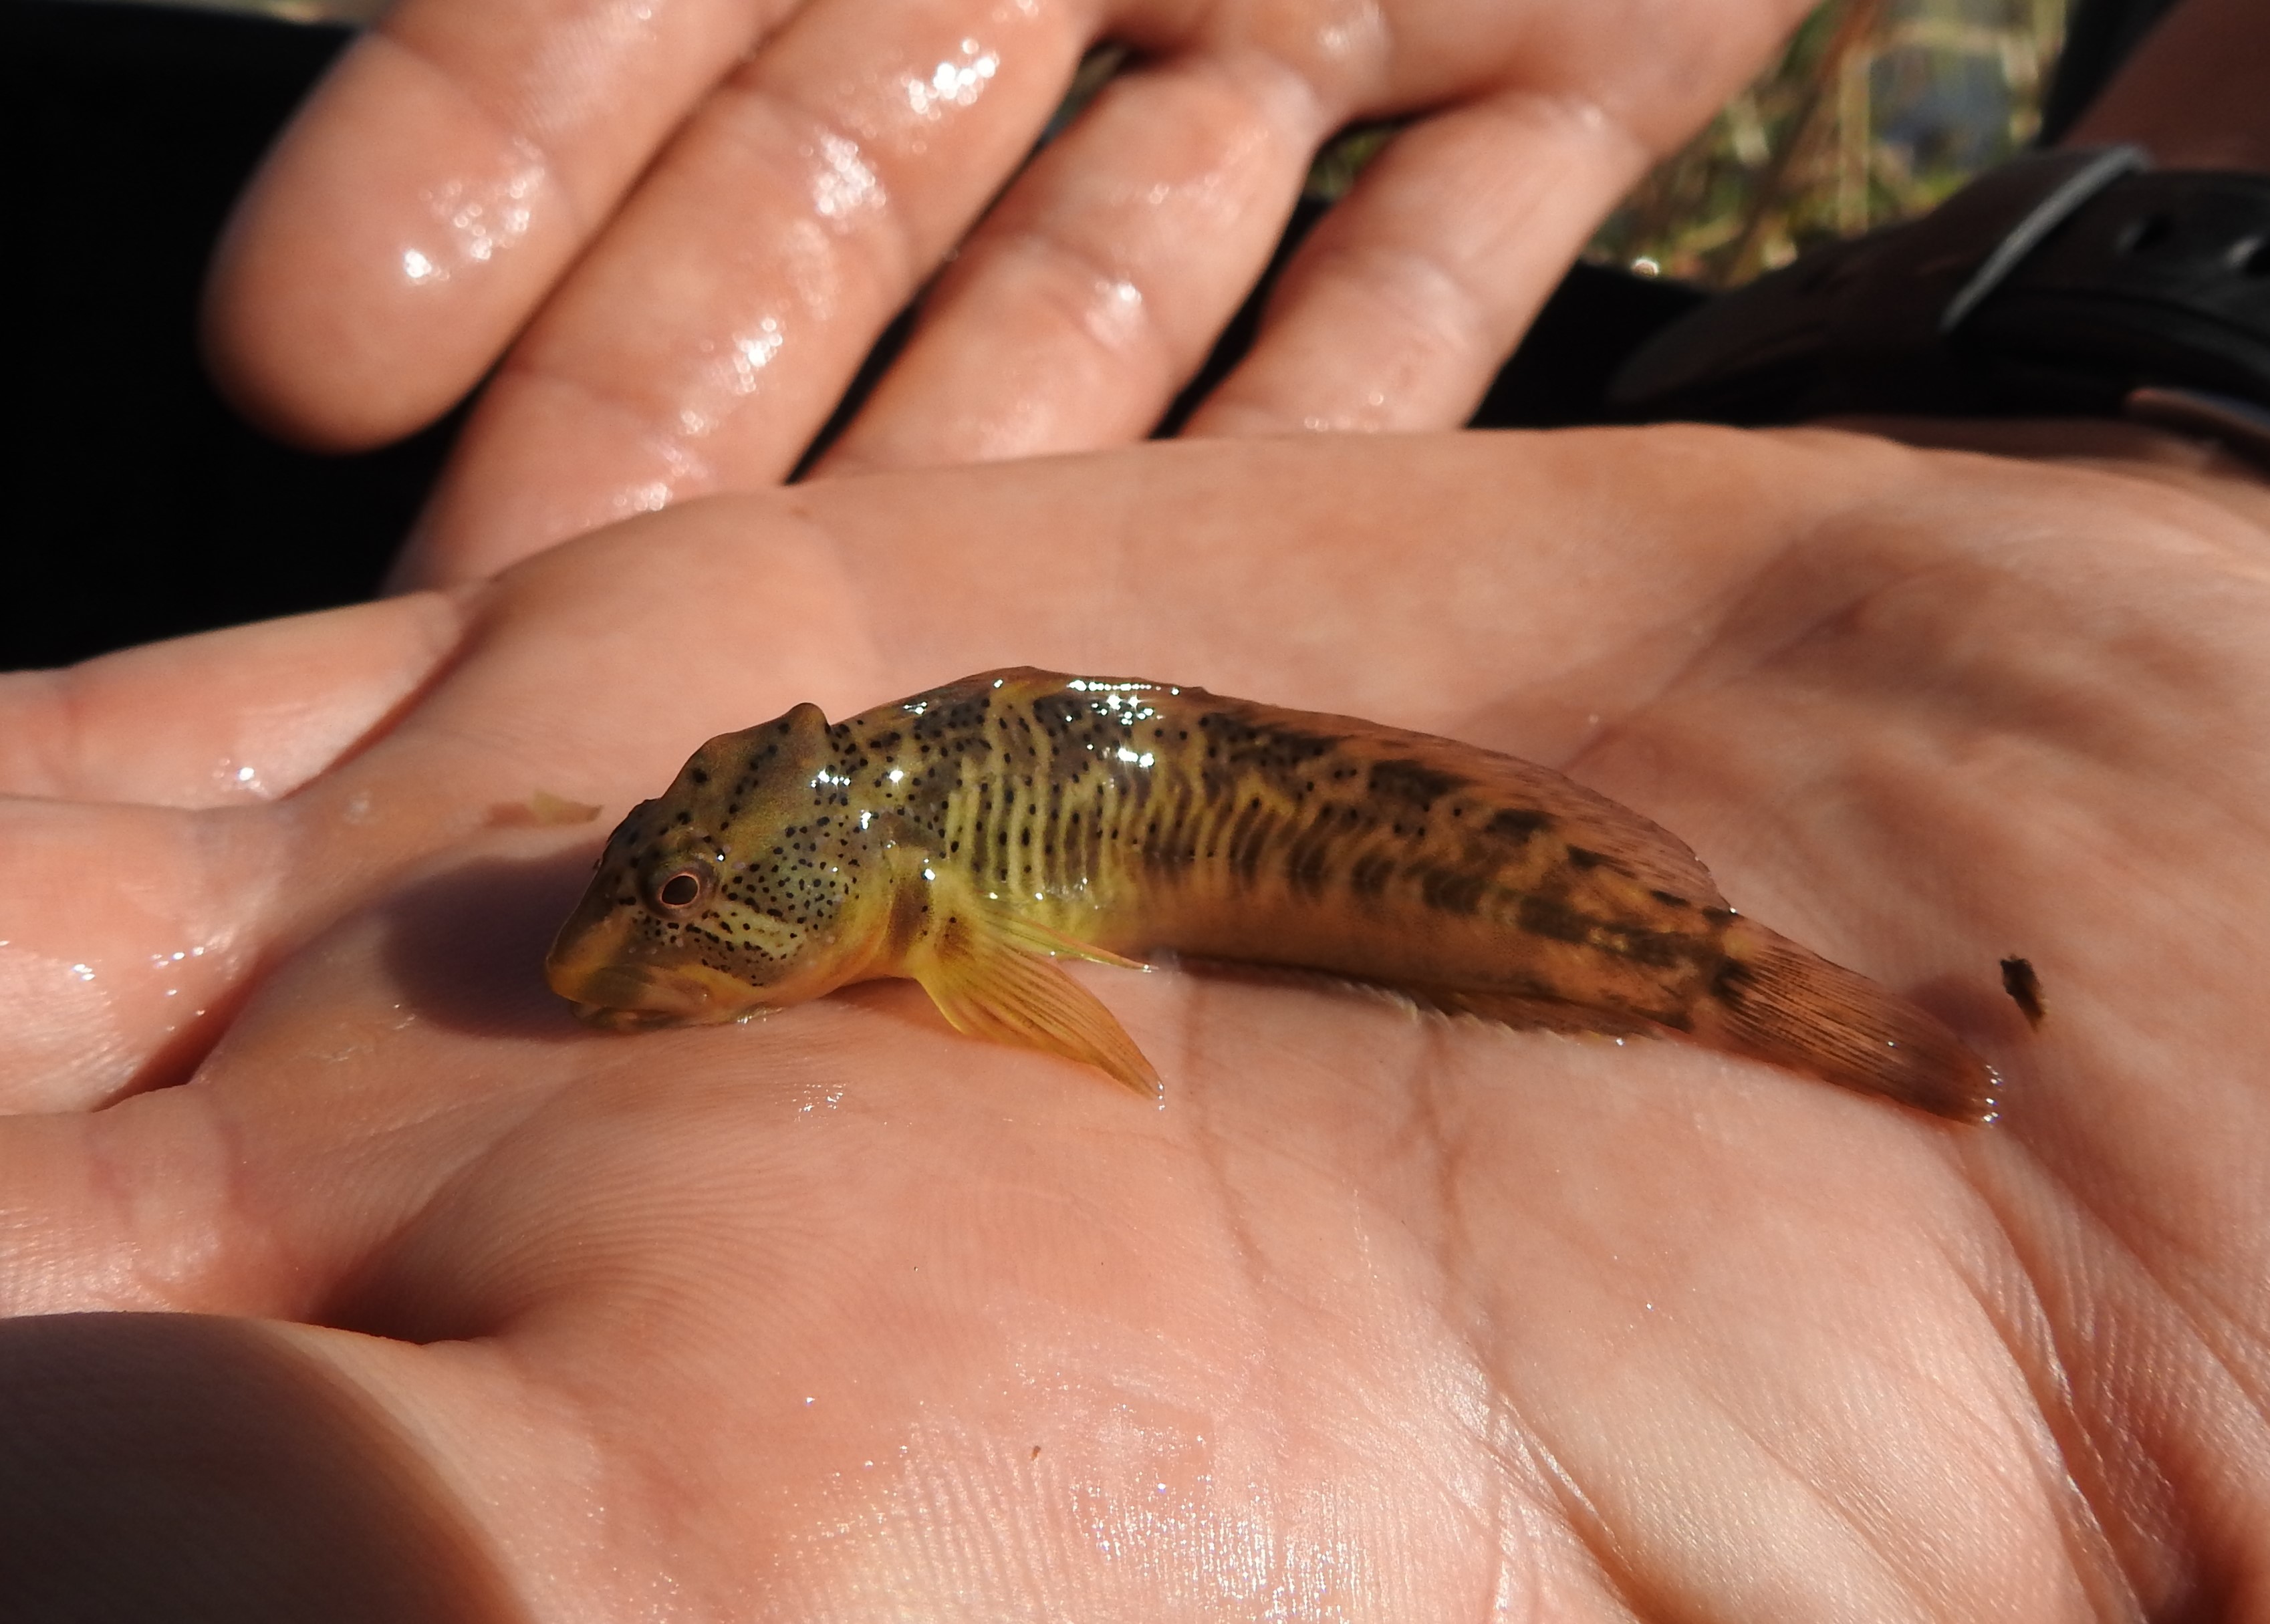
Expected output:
(634, 996)
(605, 986)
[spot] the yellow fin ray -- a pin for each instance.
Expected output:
(988, 983)
(1034, 936)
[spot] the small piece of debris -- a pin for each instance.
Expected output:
(542, 810)
(2025, 989)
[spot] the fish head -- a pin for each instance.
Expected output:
(729, 893)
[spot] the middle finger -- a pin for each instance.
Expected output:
(1094, 290)
(705, 336)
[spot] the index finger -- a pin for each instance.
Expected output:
(438, 181)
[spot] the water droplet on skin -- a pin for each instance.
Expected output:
(844, 185)
(242, 776)
(651, 497)
(481, 218)
(953, 84)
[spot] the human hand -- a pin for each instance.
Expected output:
(840, 1314)
(689, 222)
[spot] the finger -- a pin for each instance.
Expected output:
(224, 718)
(123, 931)
(1406, 298)
(434, 187)
(128, 935)
(703, 341)
(128, 930)
(252, 1466)
(1409, 295)
(1098, 284)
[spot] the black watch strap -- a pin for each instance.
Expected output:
(2070, 282)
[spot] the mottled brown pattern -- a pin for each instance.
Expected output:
(1130, 815)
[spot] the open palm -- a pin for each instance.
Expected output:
(840, 1314)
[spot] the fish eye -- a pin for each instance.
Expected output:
(680, 890)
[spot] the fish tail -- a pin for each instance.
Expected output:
(1774, 1001)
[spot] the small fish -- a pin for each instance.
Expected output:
(968, 836)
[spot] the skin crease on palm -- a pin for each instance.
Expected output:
(1380, 1316)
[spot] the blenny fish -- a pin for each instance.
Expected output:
(968, 836)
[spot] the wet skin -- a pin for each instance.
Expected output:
(841, 1313)
(673, 251)
(674, 232)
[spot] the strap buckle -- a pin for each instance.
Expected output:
(2060, 283)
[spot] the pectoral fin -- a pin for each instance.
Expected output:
(1036, 937)
(992, 978)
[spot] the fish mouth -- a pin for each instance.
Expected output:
(636, 998)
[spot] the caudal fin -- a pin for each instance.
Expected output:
(1775, 1001)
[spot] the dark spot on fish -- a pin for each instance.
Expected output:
(1731, 981)
(1368, 876)
(1452, 891)
(1542, 915)
(1657, 949)
(1518, 823)
(1670, 900)
(1584, 858)
(1306, 868)
(2025, 989)
(1413, 783)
